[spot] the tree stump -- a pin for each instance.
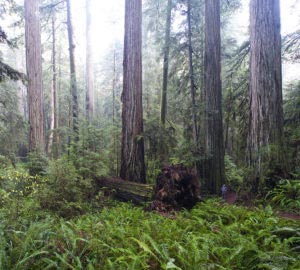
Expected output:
(176, 187)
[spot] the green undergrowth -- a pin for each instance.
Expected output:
(285, 196)
(210, 236)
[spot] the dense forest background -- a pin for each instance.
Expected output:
(125, 88)
(80, 97)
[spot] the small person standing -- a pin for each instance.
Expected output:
(223, 191)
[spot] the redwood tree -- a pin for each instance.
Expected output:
(132, 153)
(163, 111)
(34, 73)
(214, 173)
(265, 140)
(73, 82)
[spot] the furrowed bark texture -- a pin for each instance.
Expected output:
(266, 112)
(163, 113)
(34, 73)
(214, 174)
(132, 153)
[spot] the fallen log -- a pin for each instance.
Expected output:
(127, 190)
(176, 187)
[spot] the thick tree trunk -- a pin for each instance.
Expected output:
(265, 140)
(34, 73)
(132, 153)
(73, 82)
(191, 75)
(163, 112)
(212, 84)
(89, 66)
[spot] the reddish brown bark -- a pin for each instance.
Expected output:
(265, 141)
(214, 173)
(132, 153)
(34, 73)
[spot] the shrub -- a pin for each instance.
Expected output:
(234, 175)
(18, 183)
(64, 190)
(17, 189)
(37, 163)
(4, 162)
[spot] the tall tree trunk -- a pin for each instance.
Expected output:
(213, 97)
(89, 66)
(191, 75)
(34, 73)
(166, 65)
(73, 82)
(265, 140)
(132, 152)
(53, 116)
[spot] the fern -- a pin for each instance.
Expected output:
(210, 236)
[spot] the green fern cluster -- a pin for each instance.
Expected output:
(211, 236)
(286, 195)
(234, 175)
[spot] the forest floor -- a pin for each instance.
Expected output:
(231, 198)
(289, 215)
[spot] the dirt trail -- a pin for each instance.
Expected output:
(289, 215)
(231, 198)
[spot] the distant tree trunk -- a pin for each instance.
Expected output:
(59, 110)
(114, 88)
(89, 66)
(72, 74)
(53, 116)
(191, 75)
(265, 140)
(166, 64)
(22, 89)
(34, 73)
(229, 108)
(132, 152)
(213, 97)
